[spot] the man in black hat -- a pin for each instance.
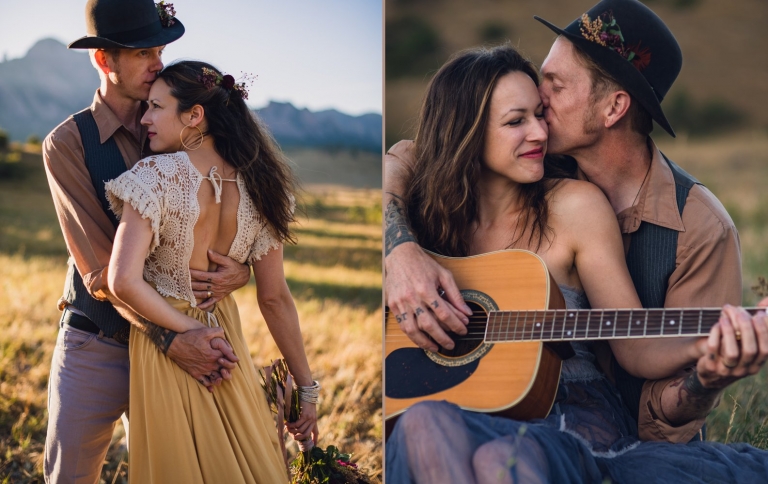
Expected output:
(88, 385)
(603, 82)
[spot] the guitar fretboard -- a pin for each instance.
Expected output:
(593, 324)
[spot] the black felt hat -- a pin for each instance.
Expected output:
(633, 45)
(127, 24)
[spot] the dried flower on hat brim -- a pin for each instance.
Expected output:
(606, 32)
(166, 13)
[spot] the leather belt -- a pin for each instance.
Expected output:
(82, 323)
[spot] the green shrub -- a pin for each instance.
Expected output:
(10, 166)
(494, 32)
(411, 47)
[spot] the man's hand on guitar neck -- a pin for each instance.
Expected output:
(736, 347)
(413, 286)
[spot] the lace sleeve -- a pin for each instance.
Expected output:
(141, 187)
(265, 240)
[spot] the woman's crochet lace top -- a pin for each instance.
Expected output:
(163, 188)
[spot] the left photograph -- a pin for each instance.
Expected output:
(190, 242)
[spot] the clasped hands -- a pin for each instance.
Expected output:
(205, 353)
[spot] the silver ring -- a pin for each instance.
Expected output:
(441, 293)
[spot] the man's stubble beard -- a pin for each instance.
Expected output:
(118, 82)
(590, 123)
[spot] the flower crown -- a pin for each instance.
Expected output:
(211, 79)
(606, 32)
(166, 13)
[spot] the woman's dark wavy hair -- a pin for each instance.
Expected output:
(239, 138)
(442, 199)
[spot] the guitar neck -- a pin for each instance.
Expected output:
(599, 324)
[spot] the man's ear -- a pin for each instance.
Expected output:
(102, 62)
(617, 108)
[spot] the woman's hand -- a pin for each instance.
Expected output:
(306, 426)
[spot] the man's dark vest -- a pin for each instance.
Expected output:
(651, 260)
(104, 162)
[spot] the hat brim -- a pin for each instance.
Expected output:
(622, 70)
(166, 36)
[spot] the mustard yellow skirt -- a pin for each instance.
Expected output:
(179, 432)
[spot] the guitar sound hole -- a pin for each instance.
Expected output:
(475, 332)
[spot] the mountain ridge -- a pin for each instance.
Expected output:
(41, 89)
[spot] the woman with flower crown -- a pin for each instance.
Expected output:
(221, 185)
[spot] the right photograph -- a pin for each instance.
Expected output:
(574, 235)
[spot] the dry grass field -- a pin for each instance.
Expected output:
(335, 276)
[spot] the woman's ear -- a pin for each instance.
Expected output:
(195, 115)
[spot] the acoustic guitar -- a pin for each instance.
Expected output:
(509, 361)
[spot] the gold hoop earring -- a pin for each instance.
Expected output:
(181, 137)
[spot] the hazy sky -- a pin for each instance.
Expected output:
(315, 54)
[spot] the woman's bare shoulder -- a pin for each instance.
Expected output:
(574, 195)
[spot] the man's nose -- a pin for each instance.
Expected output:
(157, 64)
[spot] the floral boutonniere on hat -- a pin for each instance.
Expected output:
(605, 31)
(166, 13)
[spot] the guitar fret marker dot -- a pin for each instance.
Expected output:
(672, 322)
(538, 325)
(569, 333)
(607, 323)
(570, 315)
(637, 323)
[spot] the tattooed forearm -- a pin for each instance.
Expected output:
(396, 230)
(162, 337)
(694, 400)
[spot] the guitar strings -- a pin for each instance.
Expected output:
(527, 332)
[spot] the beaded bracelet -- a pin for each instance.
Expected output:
(309, 394)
